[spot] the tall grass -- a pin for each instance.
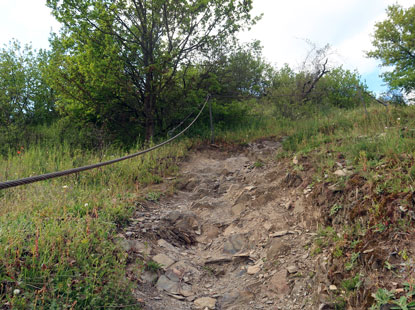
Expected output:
(58, 247)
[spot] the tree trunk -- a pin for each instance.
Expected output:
(149, 106)
(149, 123)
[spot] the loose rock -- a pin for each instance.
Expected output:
(163, 260)
(253, 269)
(205, 302)
(234, 244)
(167, 285)
(292, 269)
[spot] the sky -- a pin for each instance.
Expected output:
(347, 25)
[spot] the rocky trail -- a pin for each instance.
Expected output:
(236, 234)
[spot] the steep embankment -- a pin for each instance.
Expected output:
(236, 234)
(324, 223)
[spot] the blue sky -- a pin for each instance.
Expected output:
(346, 25)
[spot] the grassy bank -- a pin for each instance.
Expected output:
(363, 185)
(58, 237)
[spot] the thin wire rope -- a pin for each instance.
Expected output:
(52, 175)
(171, 131)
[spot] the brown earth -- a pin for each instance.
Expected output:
(236, 233)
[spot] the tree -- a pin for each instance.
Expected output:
(152, 43)
(24, 96)
(394, 42)
(339, 88)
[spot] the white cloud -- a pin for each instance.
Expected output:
(346, 25)
(27, 21)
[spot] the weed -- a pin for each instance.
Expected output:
(153, 266)
(353, 261)
(153, 196)
(384, 297)
(258, 164)
(352, 283)
(337, 252)
(209, 270)
(335, 208)
(389, 266)
(404, 255)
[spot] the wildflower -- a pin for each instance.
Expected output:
(22, 148)
(18, 152)
(86, 205)
(65, 186)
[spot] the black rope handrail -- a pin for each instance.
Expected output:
(52, 175)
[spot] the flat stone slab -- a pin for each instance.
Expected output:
(163, 260)
(165, 284)
(253, 269)
(205, 302)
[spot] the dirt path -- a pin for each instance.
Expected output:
(235, 235)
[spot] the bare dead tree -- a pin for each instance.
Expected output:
(314, 67)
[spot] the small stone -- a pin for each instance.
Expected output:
(218, 260)
(148, 277)
(234, 244)
(167, 285)
(292, 269)
(173, 274)
(333, 288)
(123, 243)
(334, 187)
(340, 173)
(186, 293)
(139, 247)
(163, 260)
(205, 303)
(178, 297)
(268, 226)
(343, 172)
(306, 191)
(295, 160)
(163, 243)
(190, 298)
(253, 269)
(281, 233)
(279, 284)
(403, 209)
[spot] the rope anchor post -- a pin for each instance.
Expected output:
(212, 128)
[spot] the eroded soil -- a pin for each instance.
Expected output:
(236, 234)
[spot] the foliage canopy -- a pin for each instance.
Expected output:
(128, 55)
(394, 42)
